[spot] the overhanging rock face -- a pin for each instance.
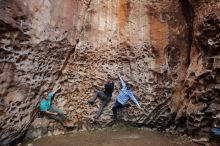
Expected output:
(168, 50)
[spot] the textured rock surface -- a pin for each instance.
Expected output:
(168, 50)
(202, 79)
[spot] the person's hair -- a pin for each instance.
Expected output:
(109, 76)
(45, 94)
(129, 86)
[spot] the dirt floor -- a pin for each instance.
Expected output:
(114, 137)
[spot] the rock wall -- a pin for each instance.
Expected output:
(202, 79)
(168, 51)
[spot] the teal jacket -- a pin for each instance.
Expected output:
(45, 104)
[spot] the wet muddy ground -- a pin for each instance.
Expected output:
(114, 137)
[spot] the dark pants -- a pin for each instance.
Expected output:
(104, 101)
(60, 117)
(115, 107)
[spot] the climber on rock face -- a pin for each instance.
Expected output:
(124, 95)
(105, 96)
(50, 110)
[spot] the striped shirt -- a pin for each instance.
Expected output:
(126, 94)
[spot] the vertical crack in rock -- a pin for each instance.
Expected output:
(188, 14)
(64, 64)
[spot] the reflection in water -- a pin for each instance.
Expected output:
(115, 137)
